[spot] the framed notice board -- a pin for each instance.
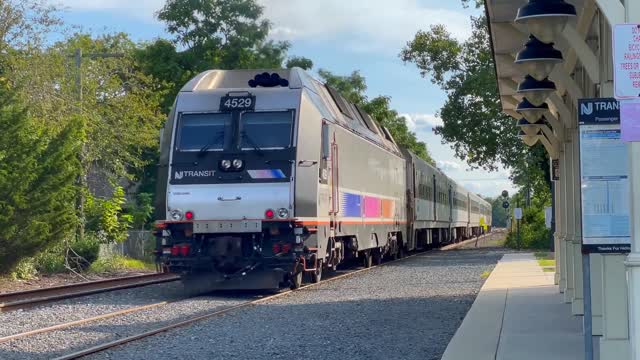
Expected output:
(604, 178)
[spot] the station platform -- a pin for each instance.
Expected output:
(518, 314)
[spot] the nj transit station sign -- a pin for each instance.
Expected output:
(604, 178)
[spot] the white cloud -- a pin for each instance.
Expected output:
(370, 25)
(140, 9)
(448, 165)
(417, 122)
(359, 25)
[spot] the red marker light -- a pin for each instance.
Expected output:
(188, 215)
(175, 250)
(184, 250)
(286, 248)
(269, 214)
(276, 248)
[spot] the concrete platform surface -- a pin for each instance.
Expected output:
(518, 314)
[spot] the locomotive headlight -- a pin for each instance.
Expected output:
(176, 215)
(225, 164)
(283, 213)
(237, 164)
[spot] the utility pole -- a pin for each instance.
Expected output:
(517, 226)
(82, 178)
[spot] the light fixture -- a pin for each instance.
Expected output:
(545, 19)
(536, 91)
(529, 140)
(176, 215)
(528, 128)
(237, 164)
(538, 58)
(225, 164)
(531, 112)
(283, 213)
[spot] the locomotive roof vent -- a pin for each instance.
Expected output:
(268, 80)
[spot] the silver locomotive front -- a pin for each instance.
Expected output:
(228, 161)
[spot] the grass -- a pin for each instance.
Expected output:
(119, 263)
(546, 260)
(553, 269)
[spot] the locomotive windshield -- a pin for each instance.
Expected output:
(203, 131)
(266, 130)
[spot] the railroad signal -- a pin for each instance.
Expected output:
(505, 194)
(505, 204)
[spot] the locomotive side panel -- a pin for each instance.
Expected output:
(371, 185)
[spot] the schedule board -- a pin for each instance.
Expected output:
(604, 177)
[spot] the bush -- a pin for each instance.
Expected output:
(50, 261)
(85, 252)
(25, 270)
(106, 217)
(533, 231)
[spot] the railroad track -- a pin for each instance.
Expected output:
(194, 319)
(212, 314)
(186, 322)
(24, 299)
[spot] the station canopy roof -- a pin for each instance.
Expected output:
(508, 38)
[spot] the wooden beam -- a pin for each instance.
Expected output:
(580, 49)
(613, 10)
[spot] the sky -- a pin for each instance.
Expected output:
(340, 36)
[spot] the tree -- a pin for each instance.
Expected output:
(353, 88)
(214, 34)
(38, 170)
(473, 121)
(299, 61)
(498, 213)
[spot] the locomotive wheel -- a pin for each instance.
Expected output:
(368, 259)
(377, 257)
(296, 281)
(316, 276)
(401, 252)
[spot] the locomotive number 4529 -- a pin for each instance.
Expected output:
(231, 103)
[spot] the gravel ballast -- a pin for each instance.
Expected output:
(19, 321)
(404, 310)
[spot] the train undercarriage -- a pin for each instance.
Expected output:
(280, 255)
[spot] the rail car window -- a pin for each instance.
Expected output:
(266, 130)
(203, 131)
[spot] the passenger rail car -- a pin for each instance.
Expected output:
(269, 175)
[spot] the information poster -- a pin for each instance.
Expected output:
(605, 187)
(626, 61)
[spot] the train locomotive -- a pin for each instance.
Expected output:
(267, 178)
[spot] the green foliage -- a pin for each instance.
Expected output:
(141, 210)
(106, 218)
(38, 169)
(298, 61)
(353, 88)
(498, 213)
(216, 34)
(119, 263)
(533, 232)
(50, 261)
(24, 270)
(473, 121)
(474, 124)
(85, 252)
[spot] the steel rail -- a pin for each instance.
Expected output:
(23, 299)
(142, 335)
